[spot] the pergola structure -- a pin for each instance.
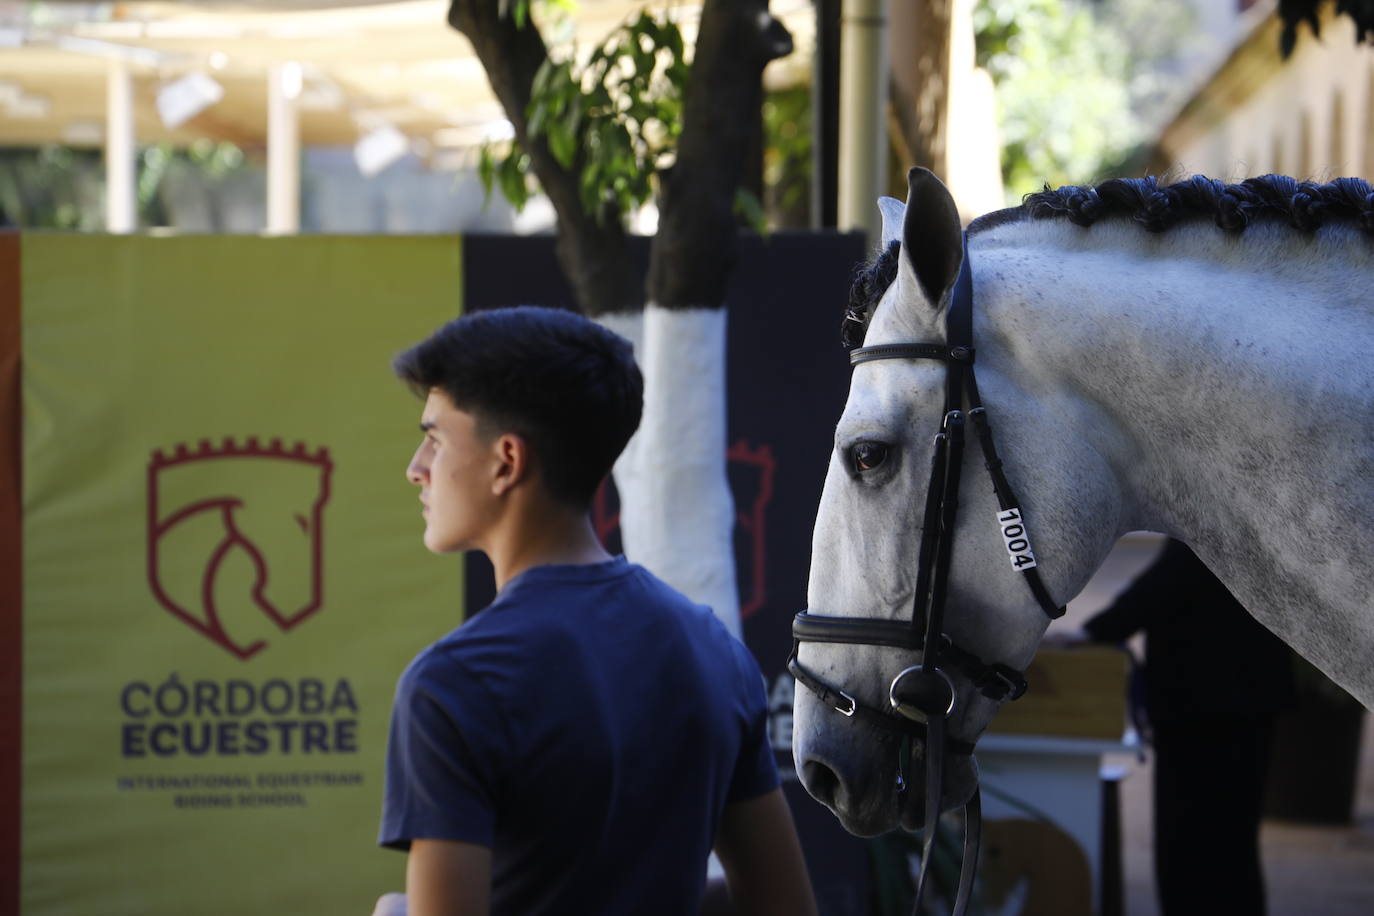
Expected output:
(274, 75)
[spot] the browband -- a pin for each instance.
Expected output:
(911, 351)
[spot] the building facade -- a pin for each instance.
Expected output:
(1311, 116)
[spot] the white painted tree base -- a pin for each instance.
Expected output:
(677, 516)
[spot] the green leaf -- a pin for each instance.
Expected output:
(640, 43)
(561, 143)
(540, 86)
(512, 180)
(560, 89)
(671, 37)
(747, 206)
(575, 112)
(589, 186)
(617, 140)
(486, 168)
(597, 60)
(615, 118)
(600, 97)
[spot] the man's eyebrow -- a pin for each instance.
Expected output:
(427, 425)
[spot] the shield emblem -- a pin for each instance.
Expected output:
(236, 537)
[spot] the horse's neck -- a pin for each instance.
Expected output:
(1228, 385)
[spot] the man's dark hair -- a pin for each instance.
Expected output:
(569, 386)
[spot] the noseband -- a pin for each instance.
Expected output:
(921, 697)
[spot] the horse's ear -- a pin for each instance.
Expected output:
(894, 215)
(932, 238)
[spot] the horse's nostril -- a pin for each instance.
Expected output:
(820, 781)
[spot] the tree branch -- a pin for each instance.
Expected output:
(595, 257)
(694, 251)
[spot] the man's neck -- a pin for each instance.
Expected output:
(563, 537)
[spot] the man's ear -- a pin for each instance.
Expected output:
(513, 462)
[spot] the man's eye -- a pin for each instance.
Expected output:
(868, 455)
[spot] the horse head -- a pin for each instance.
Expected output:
(868, 530)
(256, 510)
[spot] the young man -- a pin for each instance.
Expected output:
(583, 743)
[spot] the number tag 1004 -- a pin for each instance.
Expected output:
(1017, 539)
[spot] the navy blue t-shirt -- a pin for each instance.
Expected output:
(589, 726)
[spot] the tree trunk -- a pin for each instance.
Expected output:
(677, 517)
(694, 250)
(942, 101)
(676, 513)
(594, 256)
(921, 81)
(681, 514)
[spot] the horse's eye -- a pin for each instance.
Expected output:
(868, 455)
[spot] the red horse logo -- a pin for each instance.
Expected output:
(751, 472)
(215, 517)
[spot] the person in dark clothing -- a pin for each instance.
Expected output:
(583, 743)
(1214, 680)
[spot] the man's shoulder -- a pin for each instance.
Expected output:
(506, 633)
(710, 641)
(466, 651)
(615, 584)
(642, 584)
(552, 614)
(434, 663)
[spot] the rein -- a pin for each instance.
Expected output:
(921, 697)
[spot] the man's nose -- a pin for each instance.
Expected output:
(416, 471)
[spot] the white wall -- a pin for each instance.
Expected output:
(1311, 116)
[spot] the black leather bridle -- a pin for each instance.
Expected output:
(921, 697)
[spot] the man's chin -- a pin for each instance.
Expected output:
(438, 543)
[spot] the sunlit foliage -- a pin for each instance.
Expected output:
(1080, 86)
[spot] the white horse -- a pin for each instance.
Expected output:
(1213, 384)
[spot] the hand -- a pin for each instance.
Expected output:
(390, 905)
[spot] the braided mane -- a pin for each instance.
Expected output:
(871, 280)
(1303, 205)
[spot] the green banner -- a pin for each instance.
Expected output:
(222, 567)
